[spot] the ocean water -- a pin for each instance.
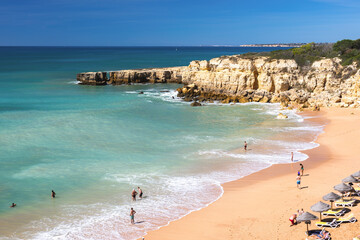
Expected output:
(93, 145)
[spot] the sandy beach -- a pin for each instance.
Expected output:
(259, 206)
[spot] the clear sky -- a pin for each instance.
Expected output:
(175, 22)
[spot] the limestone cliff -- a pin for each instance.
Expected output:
(237, 79)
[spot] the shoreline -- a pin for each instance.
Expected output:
(252, 218)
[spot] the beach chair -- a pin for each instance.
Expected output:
(348, 219)
(333, 224)
(340, 203)
(334, 212)
(319, 234)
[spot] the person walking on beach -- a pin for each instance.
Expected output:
(53, 194)
(133, 194)
(132, 216)
(292, 156)
(298, 182)
(302, 169)
(245, 145)
(140, 192)
(292, 219)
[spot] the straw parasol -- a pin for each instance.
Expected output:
(342, 187)
(307, 218)
(331, 197)
(350, 179)
(320, 207)
(357, 174)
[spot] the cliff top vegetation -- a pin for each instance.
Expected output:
(347, 50)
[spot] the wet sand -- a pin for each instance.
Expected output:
(259, 206)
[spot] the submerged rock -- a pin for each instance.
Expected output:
(195, 104)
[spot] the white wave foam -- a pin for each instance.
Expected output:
(74, 82)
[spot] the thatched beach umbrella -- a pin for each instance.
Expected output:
(331, 197)
(320, 207)
(350, 179)
(357, 174)
(307, 218)
(342, 187)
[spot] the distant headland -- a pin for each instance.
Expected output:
(274, 45)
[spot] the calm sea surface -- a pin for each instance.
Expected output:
(93, 145)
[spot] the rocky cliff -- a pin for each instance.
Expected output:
(237, 79)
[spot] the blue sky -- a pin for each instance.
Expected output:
(175, 22)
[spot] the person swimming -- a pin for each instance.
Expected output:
(13, 205)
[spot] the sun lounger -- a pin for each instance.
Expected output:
(332, 224)
(349, 218)
(344, 203)
(320, 234)
(335, 212)
(322, 237)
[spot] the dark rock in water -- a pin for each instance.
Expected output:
(195, 104)
(141, 92)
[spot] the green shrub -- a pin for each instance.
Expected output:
(347, 50)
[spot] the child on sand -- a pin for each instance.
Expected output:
(298, 181)
(302, 169)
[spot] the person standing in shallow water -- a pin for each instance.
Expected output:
(132, 215)
(140, 192)
(245, 145)
(133, 195)
(292, 156)
(53, 194)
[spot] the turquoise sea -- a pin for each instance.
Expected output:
(93, 145)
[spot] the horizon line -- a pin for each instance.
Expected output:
(215, 45)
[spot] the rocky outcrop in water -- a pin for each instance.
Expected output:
(237, 79)
(92, 78)
(155, 75)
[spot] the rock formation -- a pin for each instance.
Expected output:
(238, 79)
(92, 78)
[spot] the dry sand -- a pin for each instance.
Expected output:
(258, 206)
